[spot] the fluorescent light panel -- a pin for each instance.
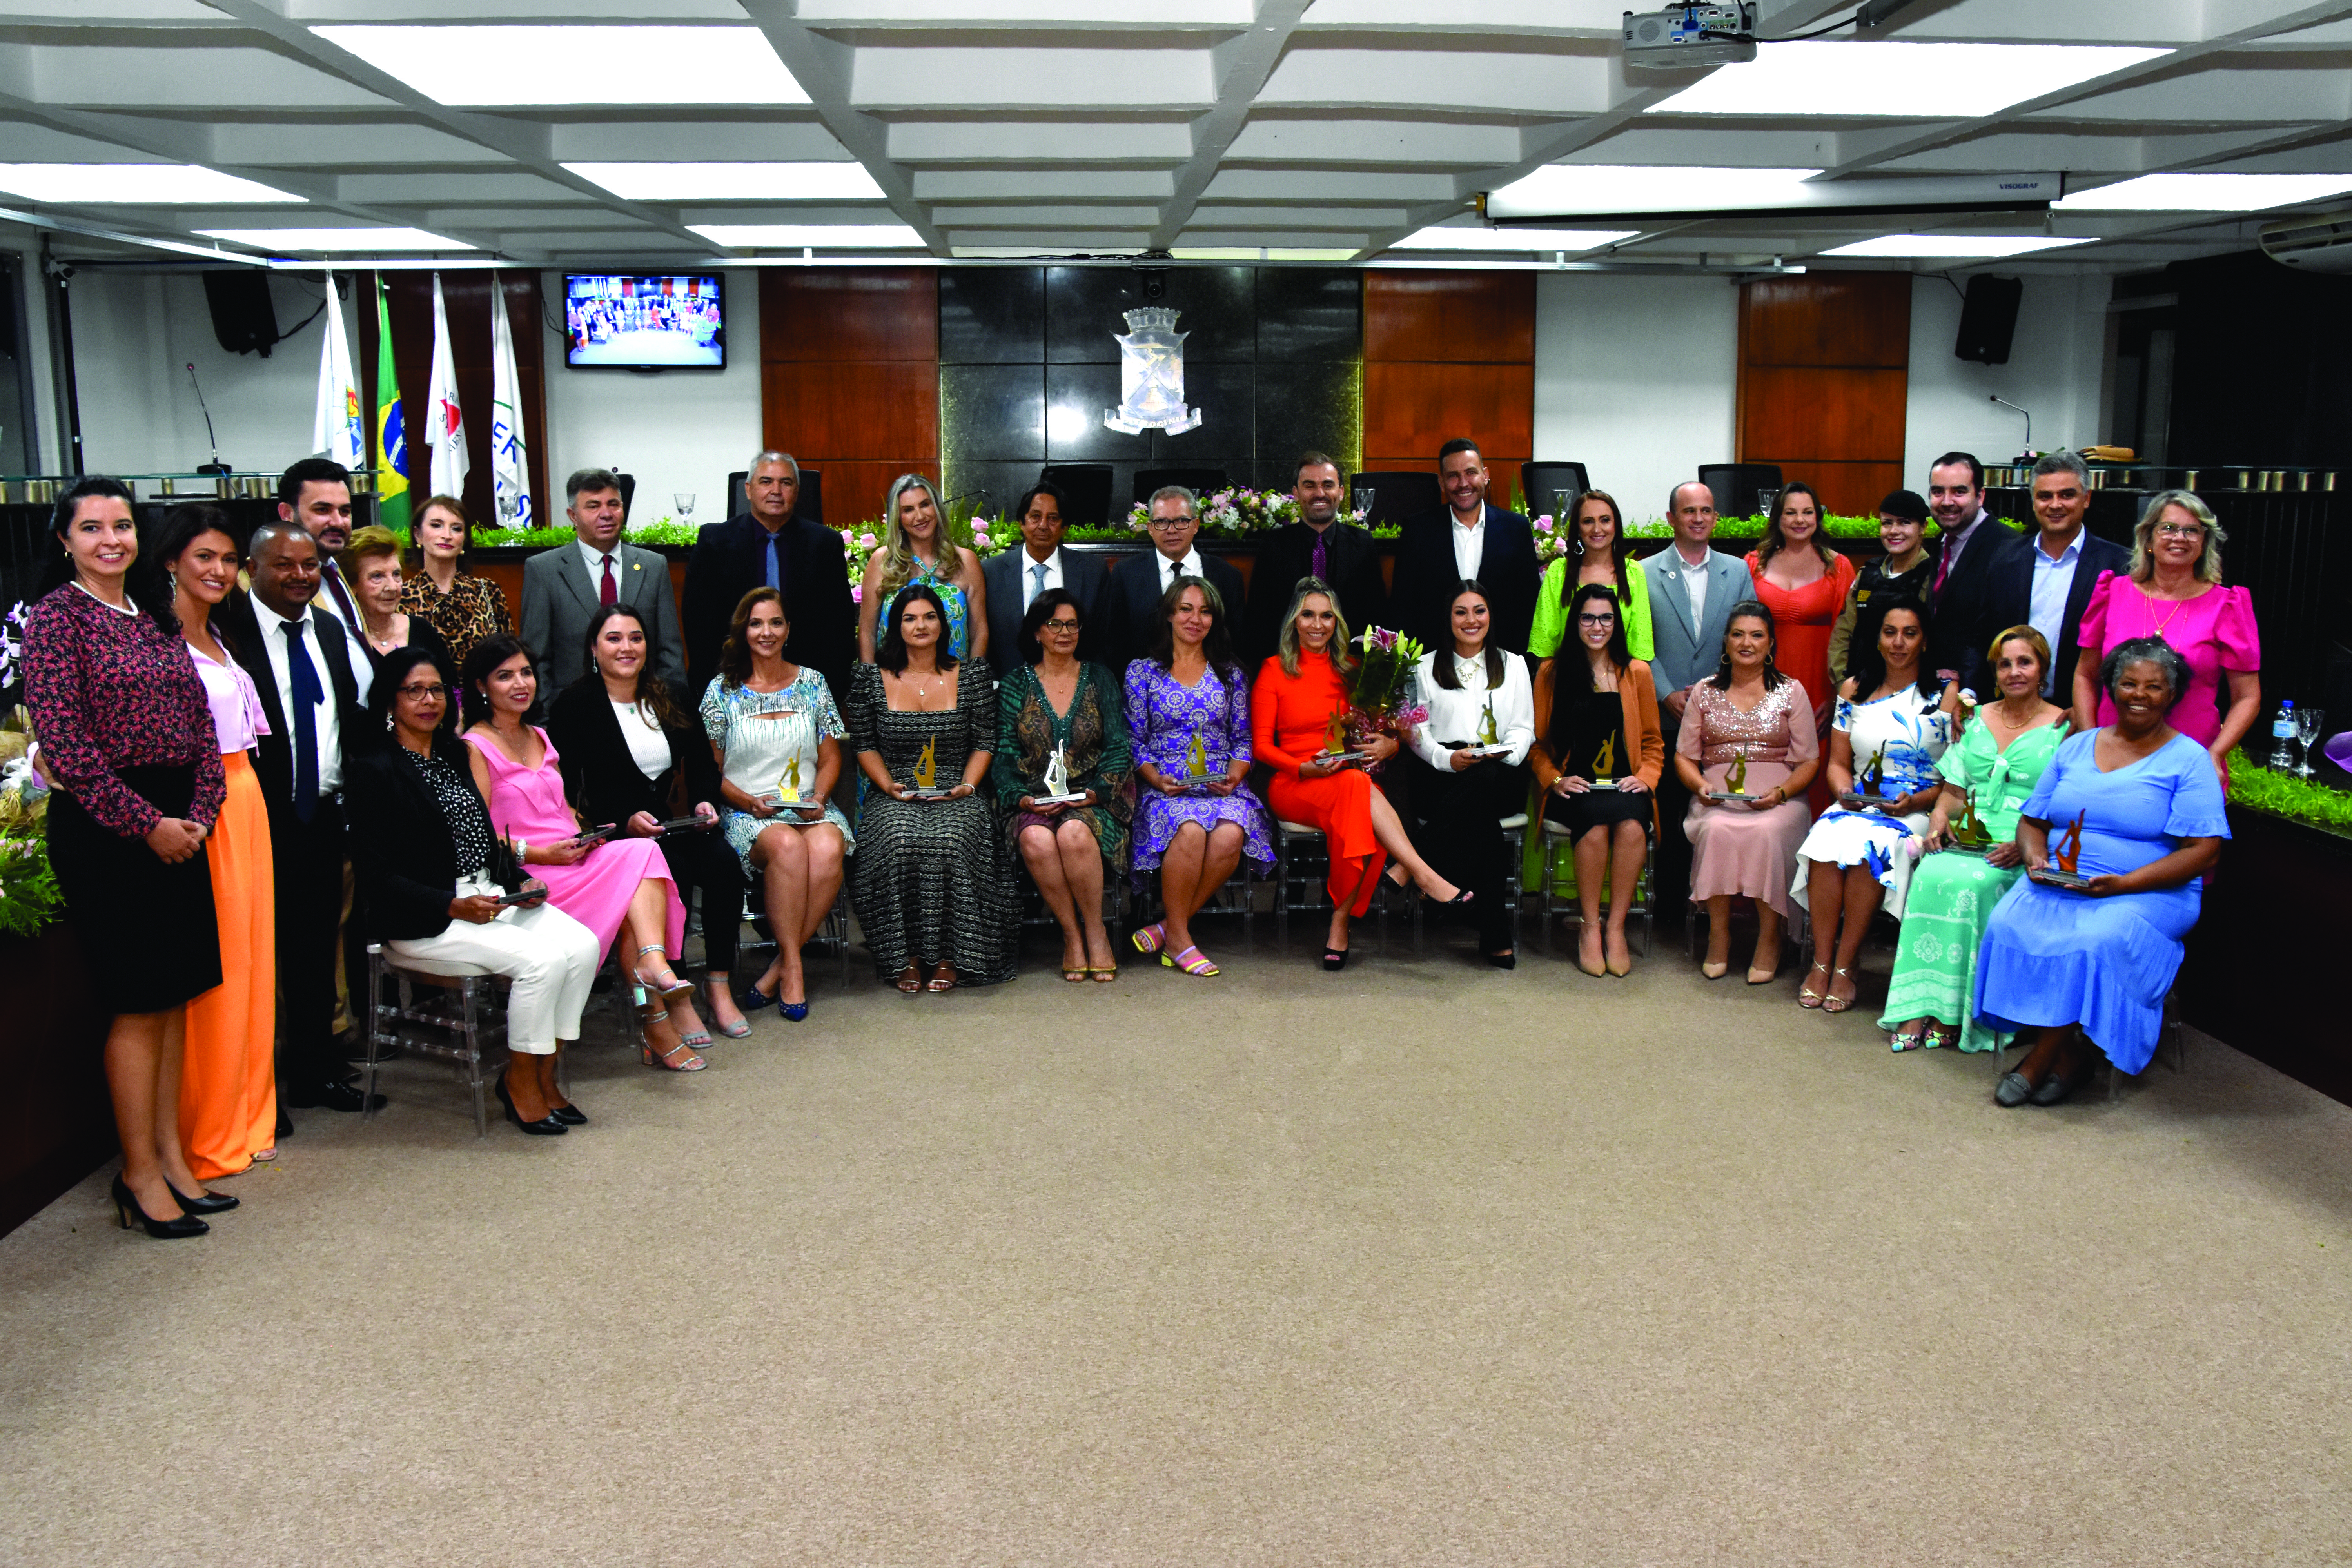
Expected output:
(177, 185)
(1897, 82)
(1523, 240)
(2208, 192)
(733, 181)
(287, 240)
(1569, 189)
(820, 235)
(511, 66)
(1986, 246)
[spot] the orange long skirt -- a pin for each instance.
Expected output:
(228, 1082)
(1341, 805)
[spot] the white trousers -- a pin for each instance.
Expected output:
(550, 957)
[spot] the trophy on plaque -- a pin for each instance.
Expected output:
(1058, 779)
(1488, 734)
(1735, 782)
(1196, 765)
(1968, 832)
(926, 772)
(2064, 855)
(1335, 742)
(788, 788)
(1869, 785)
(1604, 765)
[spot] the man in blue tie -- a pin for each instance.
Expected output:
(771, 545)
(1015, 578)
(316, 494)
(304, 666)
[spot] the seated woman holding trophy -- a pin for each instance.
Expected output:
(933, 893)
(779, 742)
(1300, 710)
(1747, 754)
(1988, 774)
(2082, 951)
(1890, 725)
(1598, 759)
(1188, 720)
(1481, 720)
(1061, 775)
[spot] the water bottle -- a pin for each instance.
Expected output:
(2283, 739)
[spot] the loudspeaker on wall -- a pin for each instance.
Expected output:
(244, 320)
(1989, 318)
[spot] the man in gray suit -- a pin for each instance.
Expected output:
(1692, 590)
(1016, 577)
(562, 588)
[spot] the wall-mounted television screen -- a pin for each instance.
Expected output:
(635, 321)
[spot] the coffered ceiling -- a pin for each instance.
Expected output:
(666, 131)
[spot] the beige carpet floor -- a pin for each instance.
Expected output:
(1420, 1263)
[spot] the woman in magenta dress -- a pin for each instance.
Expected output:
(2175, 593)
(620, 885)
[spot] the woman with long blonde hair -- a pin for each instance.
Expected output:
(916, 549)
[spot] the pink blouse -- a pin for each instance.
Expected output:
(2215, 632)
(237, 714)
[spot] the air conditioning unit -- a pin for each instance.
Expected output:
(2315, 242)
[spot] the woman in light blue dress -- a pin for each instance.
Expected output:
(916, 549)
(2066, 966)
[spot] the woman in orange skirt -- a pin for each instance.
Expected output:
(228, 1087)
(1297, 694)
(1804, 583)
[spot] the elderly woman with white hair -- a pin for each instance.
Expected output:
(916, 549)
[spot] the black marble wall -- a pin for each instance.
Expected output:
(1273, 358)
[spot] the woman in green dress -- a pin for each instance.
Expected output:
(1598, 552)
(1995, 764)
(1056, 704)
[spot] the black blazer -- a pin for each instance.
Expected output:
(1132, 597)
(1967, 614)
(406, 860)
(273, 754)
(1351, 564)
(1425, 575)
(421, 634)
(2010, 595)
(1083, 573)
(600, 777)
(729, 560)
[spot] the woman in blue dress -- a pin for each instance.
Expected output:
(2057, 962)
(916, 549)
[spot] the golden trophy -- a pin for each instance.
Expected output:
(1735, 782)
(1488, 734)
(2064, 855)
(1196, 765)
(1605, 764)
(788, 788)
(1967, 831)
(926, 772)
(1869, 785)
(1335, 742)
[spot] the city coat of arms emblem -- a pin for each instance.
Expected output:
(1151, 377)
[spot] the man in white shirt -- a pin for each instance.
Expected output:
(1138, 582)
(2048, 584)
(1693, 587)
(1466, 539)
(1016, 577)
(316, 494)
(1972, 547)
(563, 588)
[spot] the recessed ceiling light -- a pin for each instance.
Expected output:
(1458, 238)
(1571, 188)
(293, 239)
(179, 184)
(1898, 81)
(515, 66)
(820, 235)
(1979, 246)
(2208, 192)
(733, 181)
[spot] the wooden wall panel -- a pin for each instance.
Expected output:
(1465, 317)
(1857, 319)
(849, 377)
(466, 295)
(1835, 415)
(1824, 378)
(1450, 355)
(1415, 408)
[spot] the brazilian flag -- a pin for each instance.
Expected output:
(391, 441)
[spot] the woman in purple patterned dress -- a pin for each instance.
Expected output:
(1189, 731)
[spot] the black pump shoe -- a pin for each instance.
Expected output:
(545, 1127)
(211, 1203)
(1504, 960)
(126, 1203)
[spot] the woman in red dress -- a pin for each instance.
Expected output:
(1297, 693)
(1803, 583)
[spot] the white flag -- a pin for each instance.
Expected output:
(444, 424)
(336, 430)
(510, 455)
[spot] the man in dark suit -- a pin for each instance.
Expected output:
(306, 668)
(1016, 577)
(2047, 584)
(1973, 547)
(1463, 540)
(1319, 545)
(562, 588)
(1132, 599)
(769, 546)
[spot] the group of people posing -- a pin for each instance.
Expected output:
(270, 750)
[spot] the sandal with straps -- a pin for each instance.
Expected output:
(1149, 939)
(1837, 1004)
(669, 992)
(1805, 997)
(1198, 964)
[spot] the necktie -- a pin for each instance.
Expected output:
(606, 591)
(303, 676)
(1951, 552)
(342, 596)
(1036, 583)
(775, 565)
(1316, 569)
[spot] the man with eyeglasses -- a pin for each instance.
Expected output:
(2048, 584)
(1321, 543)
(1137, 583)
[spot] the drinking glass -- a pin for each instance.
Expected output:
(685, 501)
(1563, 507)
(2306, 731)
(1364, 498)
(1768, 502)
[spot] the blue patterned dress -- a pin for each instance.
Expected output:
(755, 751)
(950, 594)
(1913, 730)
(1163, 716)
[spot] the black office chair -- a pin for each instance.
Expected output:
(1397, 494)
(628, 494)
(1539, 481)
(1736, 486)
(811, 506)
(1085, 491)
(1202, 482)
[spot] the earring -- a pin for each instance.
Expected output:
(387, 724)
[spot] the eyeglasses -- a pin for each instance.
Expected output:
(1167, 523)
(1062, 625)
(435, 689)
(2180, 529)
(1599, 620)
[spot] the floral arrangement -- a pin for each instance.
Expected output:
(1376, 697)
(28, 888)
(1236, 512)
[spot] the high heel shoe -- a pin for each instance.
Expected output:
(1336, 958)
(669, 992)
(545, 1127)
(211, 1203)
(793, 1012)
(126, 1203)
(569, 1115)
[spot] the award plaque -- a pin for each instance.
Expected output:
(1488, 734)
(1199, 778)
(1058, 781)
(926, 774)
(591, 837)
(1967, 832)
(1735, 782)
(1335, 745)
(788, 788)
(1869, 791)
(2064, 855)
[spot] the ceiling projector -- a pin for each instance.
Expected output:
(1683, 36)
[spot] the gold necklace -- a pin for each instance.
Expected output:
(2177, 605)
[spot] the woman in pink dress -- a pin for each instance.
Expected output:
(619, 885)
(2175, 593)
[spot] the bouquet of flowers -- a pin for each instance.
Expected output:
(1238, 512)
(1553, 539)
(1376, 703)
(29, 890)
